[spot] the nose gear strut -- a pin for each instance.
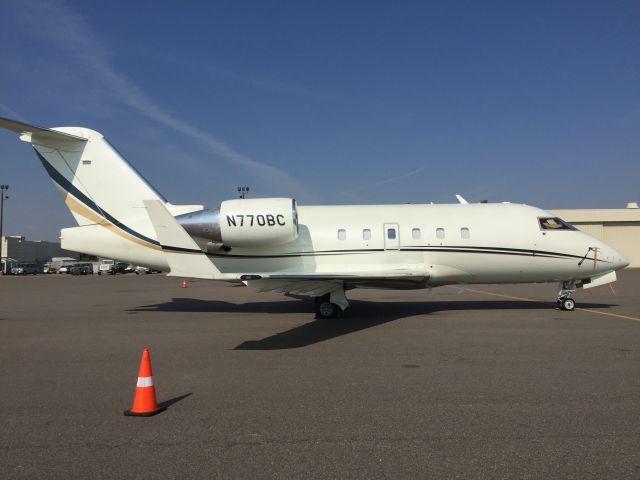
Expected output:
(565, 302)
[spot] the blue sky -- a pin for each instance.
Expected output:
(331, 102)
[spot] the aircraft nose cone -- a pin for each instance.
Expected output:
(618, 259)
(621, 261)
(613, 258)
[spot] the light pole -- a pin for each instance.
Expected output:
(243, 191)
(2, 197)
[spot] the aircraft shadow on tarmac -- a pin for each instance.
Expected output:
(360, 316)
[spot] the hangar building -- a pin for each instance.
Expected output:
(20, 250)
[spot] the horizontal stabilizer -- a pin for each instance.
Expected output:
(41, 133)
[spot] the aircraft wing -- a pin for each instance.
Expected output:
(322, 283)
(407, 274)
(352, 277)
(333, 284)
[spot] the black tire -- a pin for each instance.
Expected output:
(325, 309)
(568, 304)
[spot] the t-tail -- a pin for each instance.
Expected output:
(104, 193)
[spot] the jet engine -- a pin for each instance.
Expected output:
(255, 222)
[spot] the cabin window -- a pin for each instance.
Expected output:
(439, 233)
(366, 234)
(415, 234)
(342, 234)
(549, 223)
(391, 233)
(464, 232)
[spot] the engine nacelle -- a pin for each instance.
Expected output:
(258, 221)
(246, 222)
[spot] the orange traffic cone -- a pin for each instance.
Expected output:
(184, 283)
(144, 401)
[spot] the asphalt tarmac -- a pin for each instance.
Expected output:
(491, 383)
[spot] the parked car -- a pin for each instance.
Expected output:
(64, 268)
(81, 269)
(140, 269)
(25, 269)
(16, 270)
(121, 267)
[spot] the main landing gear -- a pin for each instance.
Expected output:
(565, 302)
(326, 309)
(331, 305)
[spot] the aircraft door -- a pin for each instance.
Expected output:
(391, 236)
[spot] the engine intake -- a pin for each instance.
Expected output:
(245, 222)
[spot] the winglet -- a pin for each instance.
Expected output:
(184, 256)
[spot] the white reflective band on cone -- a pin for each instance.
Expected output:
(145, 382)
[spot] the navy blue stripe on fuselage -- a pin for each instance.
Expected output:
(66, 185)
(170, 248)
(452, 249)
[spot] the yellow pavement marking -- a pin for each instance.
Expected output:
(588, 310)
(624, 317)
(502, 295)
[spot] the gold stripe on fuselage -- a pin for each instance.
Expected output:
(81, 209)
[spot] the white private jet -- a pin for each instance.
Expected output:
(272, 244)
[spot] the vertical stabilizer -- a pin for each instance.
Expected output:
(97, 184)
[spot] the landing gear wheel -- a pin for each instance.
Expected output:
(568, 304)
(326, 309)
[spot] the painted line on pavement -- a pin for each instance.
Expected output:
(588, 310)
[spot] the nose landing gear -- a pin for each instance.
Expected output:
(565, 302)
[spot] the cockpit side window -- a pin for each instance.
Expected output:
(554, 223)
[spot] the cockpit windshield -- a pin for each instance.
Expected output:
(555, 223)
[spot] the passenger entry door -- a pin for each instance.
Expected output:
(391, 236)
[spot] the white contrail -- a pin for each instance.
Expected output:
(386, 180)
(70, 31)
